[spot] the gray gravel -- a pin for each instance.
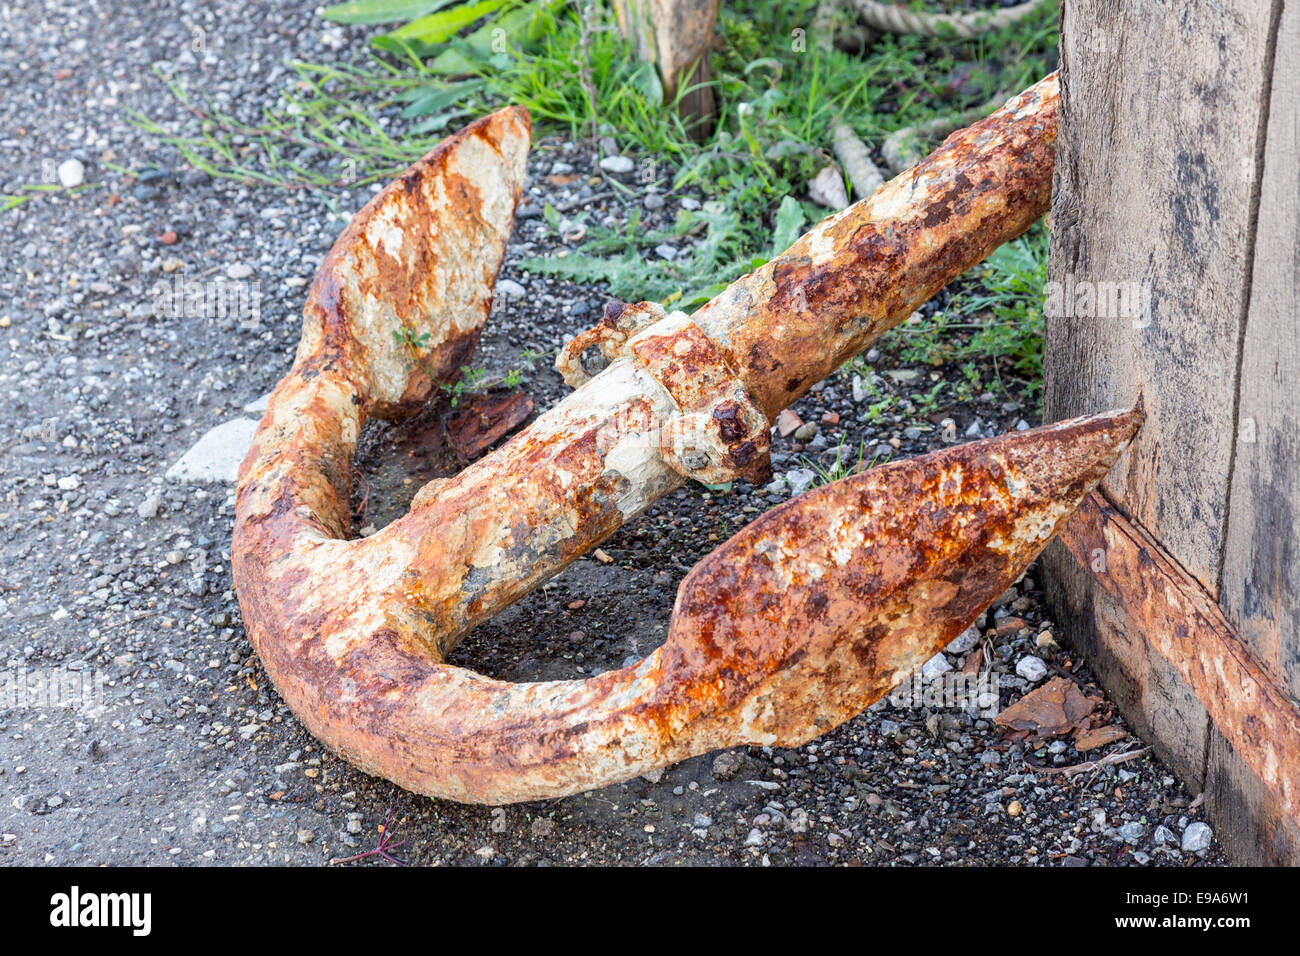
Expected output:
(116, 578)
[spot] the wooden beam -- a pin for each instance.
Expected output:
(677, 36)
(1175, 179)
(1160, 113)
(1261, 572)
(1173, 614)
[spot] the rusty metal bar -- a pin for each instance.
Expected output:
(1184, 624)
(354, 632)
(862, 271)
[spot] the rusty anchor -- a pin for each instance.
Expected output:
(788, 629)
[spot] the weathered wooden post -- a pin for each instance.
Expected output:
(1175, 270)
(676, 36)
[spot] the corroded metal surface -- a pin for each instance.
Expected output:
(796, 624)
(619, 323)
(481, 421)
(1178, 617)
(787, 630)
(860, 272)
(719, 434)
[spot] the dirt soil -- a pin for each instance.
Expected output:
(112, 575)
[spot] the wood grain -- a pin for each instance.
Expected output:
(1153, 187)
(1261, 569)
(677, 36)
(1178, 169)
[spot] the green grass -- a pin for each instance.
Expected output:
(777, 95)
(776, 105)
(615, 258)
(471, 378)
(993, 326)
(344, 114)
(36, 191)
(842, 467)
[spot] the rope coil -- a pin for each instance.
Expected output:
(892, 18)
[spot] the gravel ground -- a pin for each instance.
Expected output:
(112, 573)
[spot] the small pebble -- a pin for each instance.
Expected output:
(964, 641)
(71, 173)
(800, 480)
(617, 165)
(1132, 832)
(1197, 837)
(787, 423)
(726, 766)
(935, 667)
(1031, 669)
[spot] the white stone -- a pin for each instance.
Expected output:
(258, 405)
(217, 455)
(511, 288)
(1197, 837)
(618, 165)
(1031, 669)
(71, 173)
(800, 479)
(936, 666)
